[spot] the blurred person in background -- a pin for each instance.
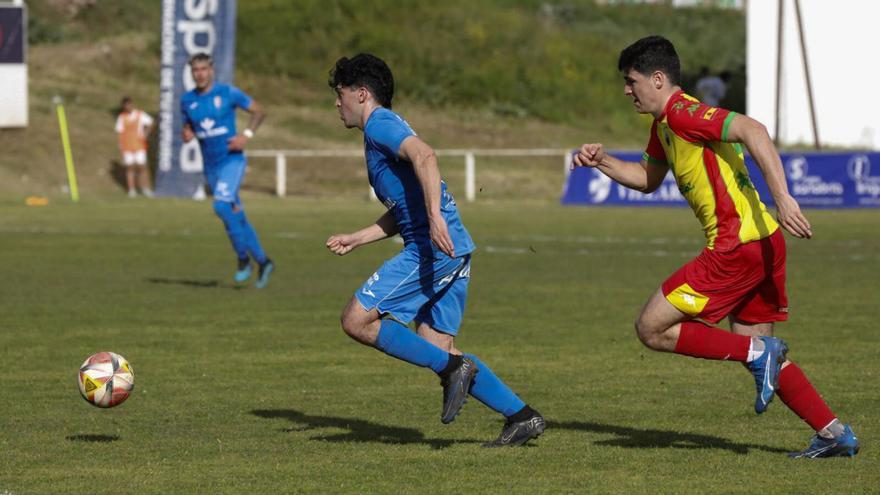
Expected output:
(134, 126)
(712, 89)
(209, 116)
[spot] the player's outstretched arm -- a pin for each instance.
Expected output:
(754, 136)
(424, 162)
(342, 244)
(644, 177)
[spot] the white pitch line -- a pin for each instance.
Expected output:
(848, 244)
(659, 253)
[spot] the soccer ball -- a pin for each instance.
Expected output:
(105, 379)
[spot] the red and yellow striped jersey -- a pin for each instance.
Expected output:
(711, 174)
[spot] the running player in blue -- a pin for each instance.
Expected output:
(209, 116)
(427, 281)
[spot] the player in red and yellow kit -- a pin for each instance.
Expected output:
(741, 272)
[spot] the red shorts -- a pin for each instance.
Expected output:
(747, 283)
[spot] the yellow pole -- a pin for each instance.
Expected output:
(65, 142)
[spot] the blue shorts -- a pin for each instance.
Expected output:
(225, 177)
(408, 287)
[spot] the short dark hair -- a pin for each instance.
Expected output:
(201, 57)
(125, 99)
(651, 54)
(365, 70)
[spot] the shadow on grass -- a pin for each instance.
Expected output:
(652, 439)
(358, 430)
(92, 438)
(202, 284)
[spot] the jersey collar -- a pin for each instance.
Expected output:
(675, 96)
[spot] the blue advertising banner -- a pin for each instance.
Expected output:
(817, 180)
(12, 34)
(188, 27)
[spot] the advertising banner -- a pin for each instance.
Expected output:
(816, 180)
(12, 34)
(188, 27)
(13, 66)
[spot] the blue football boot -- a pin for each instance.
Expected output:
(766, 371)
(845, 445)
(266, 270)
(244, 271)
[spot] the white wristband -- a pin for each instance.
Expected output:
(248, 133)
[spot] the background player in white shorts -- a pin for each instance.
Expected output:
(133, 126)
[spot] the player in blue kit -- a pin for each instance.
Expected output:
(427, 281)
(209, 116)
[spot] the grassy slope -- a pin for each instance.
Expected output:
(240, 390)
(492, 73)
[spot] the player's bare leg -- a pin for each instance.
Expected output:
(360, 324)
(143, 180)
(659, 324)
(440, 339)
(129, 181)
(833, 438)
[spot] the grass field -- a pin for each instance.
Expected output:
(239, 390)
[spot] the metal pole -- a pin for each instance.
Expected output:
(780, 24)
(280, 175)
(470, 180)
(800, 25)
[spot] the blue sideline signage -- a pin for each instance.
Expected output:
(188, 27)
(817, 180)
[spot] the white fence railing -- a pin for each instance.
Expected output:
(470, 166)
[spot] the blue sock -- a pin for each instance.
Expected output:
(251, 239)
(490, 390)
(232, 222)
(399, 341)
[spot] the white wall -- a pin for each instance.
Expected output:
(842, 39)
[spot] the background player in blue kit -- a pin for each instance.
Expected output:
(427, 281)
(209, 116)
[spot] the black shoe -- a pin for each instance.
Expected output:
(455, 389)
(518, 433)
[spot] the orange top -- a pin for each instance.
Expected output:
(132, 127)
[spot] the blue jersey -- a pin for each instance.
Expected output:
(397, 186)
(212, 117)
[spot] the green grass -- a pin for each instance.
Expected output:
(239, 390)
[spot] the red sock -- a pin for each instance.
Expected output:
(799, 395)
(700, 340)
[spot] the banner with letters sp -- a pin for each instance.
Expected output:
(816, 180)
(188, 27)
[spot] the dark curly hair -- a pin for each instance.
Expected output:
(650, 54)
(365, 70)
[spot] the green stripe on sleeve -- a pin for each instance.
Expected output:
(727, 122)
(650, 159)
